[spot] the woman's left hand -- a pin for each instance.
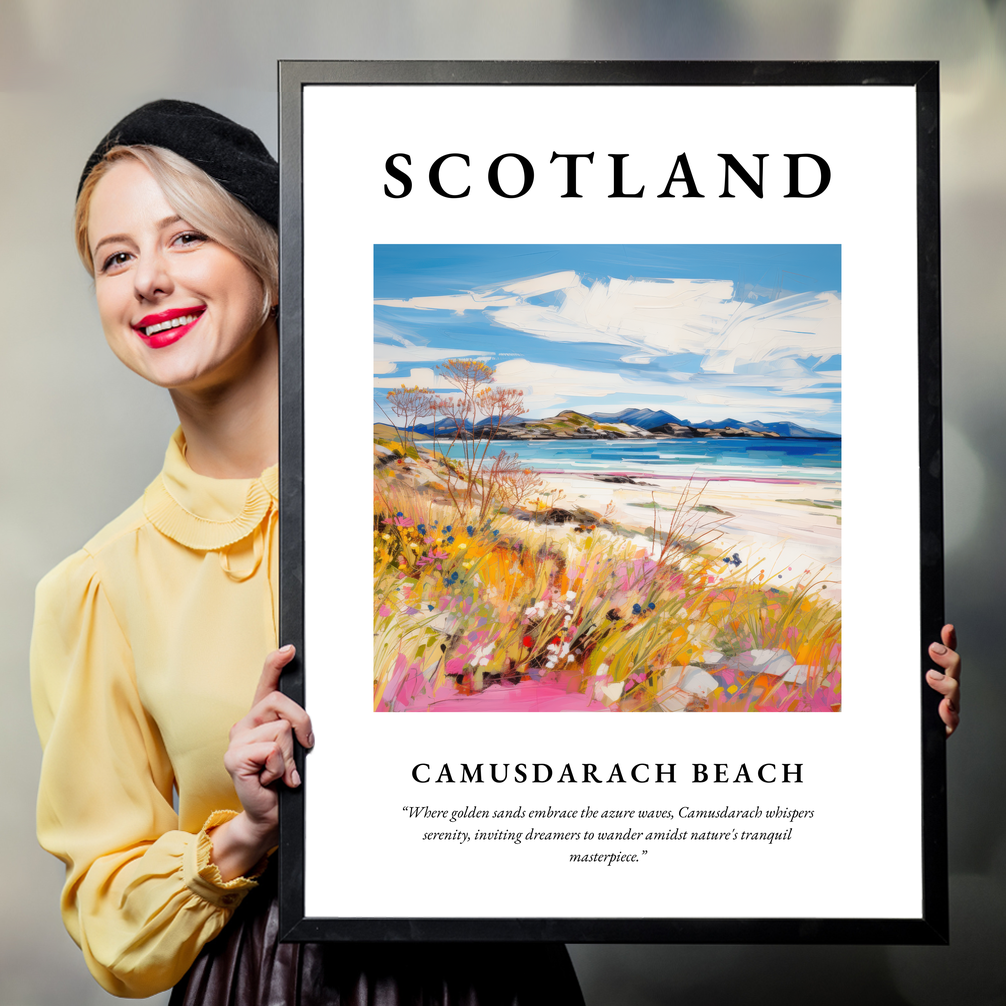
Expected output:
(947, 682)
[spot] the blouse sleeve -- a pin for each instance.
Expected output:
(141, 898)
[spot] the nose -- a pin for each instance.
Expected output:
(152, 277)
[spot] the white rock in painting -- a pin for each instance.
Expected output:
(797, 674)
(673, 701)
(698, 682)
(613, 692)
(774, 662)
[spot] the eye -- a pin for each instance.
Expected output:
(189, 239)
(115, 261)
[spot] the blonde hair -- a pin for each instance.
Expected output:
(199, 200)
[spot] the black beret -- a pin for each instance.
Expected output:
(231, 154)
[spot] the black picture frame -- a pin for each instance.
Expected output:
(932, 925)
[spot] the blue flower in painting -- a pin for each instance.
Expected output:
(430, 606)
(399, 514)
(450, 540)
(495, 533)
(421, 528)
(447, 530)
(733, 560)
(637, 609)
(652, 606)
(470, 530)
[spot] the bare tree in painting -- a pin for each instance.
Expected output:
(409, 404)
(477, 410)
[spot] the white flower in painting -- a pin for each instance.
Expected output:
(481, 655)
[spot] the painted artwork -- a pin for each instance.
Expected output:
(607, 478)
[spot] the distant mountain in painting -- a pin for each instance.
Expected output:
(629, 423)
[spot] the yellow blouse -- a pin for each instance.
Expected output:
(147, 647)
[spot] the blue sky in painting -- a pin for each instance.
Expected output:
(705, 332)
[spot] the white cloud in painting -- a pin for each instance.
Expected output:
(456, 302)
(402, 349)
(550, 386)
(665, 317)
(784, 376)
(385, 331)
(659, 317)
(479, 300)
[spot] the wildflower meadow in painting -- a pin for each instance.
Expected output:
(607, 478)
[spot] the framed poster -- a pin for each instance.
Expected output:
(633, 372)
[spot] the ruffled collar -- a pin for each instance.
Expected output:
(203, 513)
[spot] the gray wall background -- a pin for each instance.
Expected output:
(82, 436)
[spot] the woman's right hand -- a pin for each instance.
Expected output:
(948, 681)
(260, 753)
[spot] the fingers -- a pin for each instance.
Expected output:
(949, 688)
(949, 636)
(948, 709)
(277, 706)
(280, 763)
(265, 751)
(945, 655)
(262, 761)
(950, 716)
(270, 703)
(271, 671)
(947, 680)
(948, 660)
(261, 749)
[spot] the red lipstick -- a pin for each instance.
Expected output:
(166, 327)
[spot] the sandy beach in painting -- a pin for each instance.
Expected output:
(783, 526)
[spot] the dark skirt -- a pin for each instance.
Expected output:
(246, 965)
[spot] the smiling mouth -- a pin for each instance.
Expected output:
(167, 327)
(165, 324)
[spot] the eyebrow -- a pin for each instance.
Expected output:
(160, 225)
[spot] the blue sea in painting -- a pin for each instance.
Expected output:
(739, 457)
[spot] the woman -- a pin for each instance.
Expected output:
(149, 642)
